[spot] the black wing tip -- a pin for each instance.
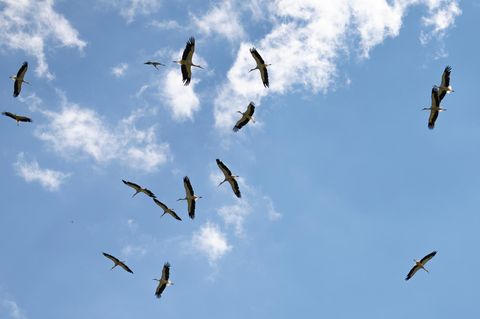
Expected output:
(191, 40)
(448, 68)
(433, 253)
(167, 264)
(186, 179)
(431, 126)
(235, 128)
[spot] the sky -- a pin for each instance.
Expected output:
(343, 183)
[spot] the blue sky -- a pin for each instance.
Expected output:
(343, 184)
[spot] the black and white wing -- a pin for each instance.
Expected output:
(162, 284)
(434, 111)
(234, 184)
(412, 272)
(425, 259)
(190, 200)
(132, 185)
(245, 117)
(258, 58)
(187, 56)
(225, 170)
(112, 258)
(445, 83)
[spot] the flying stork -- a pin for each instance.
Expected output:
(231, 179)
(154, 63)
(18, 118)
(445, 87)
(190, 197)
(164, 281)
(17, 86)
(186, 61)
(261, 66)
(420, 264)
(246, 117)
(166, 210)
(434, 109)
(139, 189)
(118, 263)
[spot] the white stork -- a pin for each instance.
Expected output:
(445, 87)
(261, 66)
(118, 263)
(164, 281)
(139, 189)
(166, 210)
(18, 118)
(190, 197)
(154, 64)
(186, 61)
(434, 109)
(17, 86)
(246, 117)
(420, 264)
(231, 179)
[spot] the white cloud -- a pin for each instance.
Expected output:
(30, 25)
(234, 215)
(222, 19)
(166, 24)
(77, 131)
(10, 310)
(31, 172)
(273, 214)
(319, 32)
(441, 17)
(120, 70)
(210, 241)
(181, 100)
(132, 250)
(129, 9)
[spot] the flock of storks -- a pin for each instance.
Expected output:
(438, 93)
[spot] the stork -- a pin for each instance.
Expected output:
(154, 64)
(434, 109)
(17, 86)
(231, 179)
(166, 210)
(445, 87)
(186, 61)
(261, 66)
(420, 264)
(246, 117)
(164, 281)
(139, 189)
(190, 197)
(117, 262)
(18, 118)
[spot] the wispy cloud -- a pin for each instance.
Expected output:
(319, 32)
(272, 213)
(129, 9)
(32, 172)
(211, 242)
(235, 215)
(30, 25)
(166, 24)
(222, 19)
(78, 131)
(120, 70)
(9, 309)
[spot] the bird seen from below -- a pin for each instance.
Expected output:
(190, 197)
(186, 61)
(163, 282)
(166, 210)
(445, 87)
(434, 109)
(246, 117)
(261, 66)
(420, 264)
(154, 64)
(231, 179)
(117, 262)
(19, 79)
(18, 118)
(139, 189)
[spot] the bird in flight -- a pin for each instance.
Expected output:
(434, 108)
(445, 87)
(18, 118)
(154, 64)
(231, 179)
(261, 66)
(420, 264)
(246, 117)
(139, 189)
(186, 61)
(190, 197)
(164, 281)
(166, 210)
(17, 86)
(118, 263)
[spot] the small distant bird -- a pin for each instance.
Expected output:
(164, 281)
(154, 63)
(246, 117)
(18, 118)
(231, 179)
(190, 197)
(445, 87)
(118, 263)
(420, 264)
(139, 189)
(261, 66)
(17, 86)
(166, 210)
(434, 109)
(186, 61)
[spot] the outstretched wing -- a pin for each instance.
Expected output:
(432, 119)
(132, 185)
(257, 56)
(11, 115)
(189, 49)
(250, 109)
(17, 86)
(125, 267)
(412, 272)
(112, 258)
(234, 184)
(159, 203)
(445, 82)
(264, 75)
(425, 259)
(223, 168)
(241, 123)
(186, 74)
